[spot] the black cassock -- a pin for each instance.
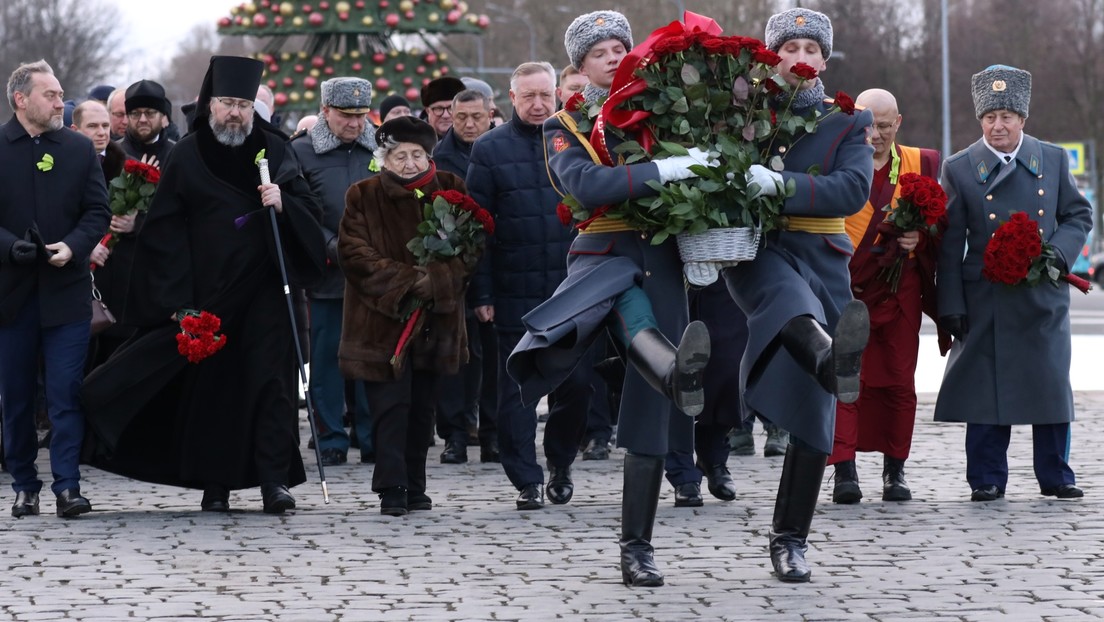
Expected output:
(231, 419)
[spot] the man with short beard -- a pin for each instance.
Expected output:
(147, 111)
(231, 420)
(53, 210)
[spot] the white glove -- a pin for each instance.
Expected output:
(702, 273)
(767, 180)
(678, 167)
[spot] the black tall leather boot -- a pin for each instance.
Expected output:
(798, 490)
(676, 373)
(643, 476)
(894, 487)
(834, 361)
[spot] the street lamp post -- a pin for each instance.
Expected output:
(946, 80)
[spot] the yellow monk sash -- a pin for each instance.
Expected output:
(907, 162)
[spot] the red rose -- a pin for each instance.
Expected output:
(485, 219)
(564, 214)
(766, 57)
(716, 45)
(845, 103)
(677, 43)
(803, 71)
(131, 166)
(454, 197)
(575, 103)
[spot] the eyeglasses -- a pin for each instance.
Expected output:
(138, 114)
(440, 110)
(230, 102)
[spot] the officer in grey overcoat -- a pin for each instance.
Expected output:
(1010, 360)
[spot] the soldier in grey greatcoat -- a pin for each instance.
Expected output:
(799, 285)
(617, 279)
(1025, 328)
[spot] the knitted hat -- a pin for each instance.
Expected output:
(593, 28)
(391, 102)
(800, 24)
(1000, 87)
(147, 94)
(407, 130)
(441, 89)
(351, 95)
(101, 92)
(475, 84)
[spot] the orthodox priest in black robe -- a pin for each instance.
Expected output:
(230, 421)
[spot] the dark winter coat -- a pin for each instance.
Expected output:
(526, 258)
(68, 203)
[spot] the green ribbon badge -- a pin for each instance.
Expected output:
(418, 193)
(46, 163)
(374, 166)
(260, 156)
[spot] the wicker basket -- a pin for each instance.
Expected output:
(726, 244)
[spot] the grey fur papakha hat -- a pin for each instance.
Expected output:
(351, 95)
(800, 24)
(591, 29)
(1000, 87)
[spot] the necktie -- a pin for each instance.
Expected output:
(1007, 158)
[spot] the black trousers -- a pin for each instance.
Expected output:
(402, 421)
(471, 394)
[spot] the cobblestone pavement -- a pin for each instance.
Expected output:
(147, 553)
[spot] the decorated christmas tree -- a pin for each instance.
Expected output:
(396, 45)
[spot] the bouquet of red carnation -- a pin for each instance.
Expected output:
(454, 226)
(1017, 255)
(922, 203)
(197, 339)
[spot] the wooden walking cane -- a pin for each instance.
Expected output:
(262, 164)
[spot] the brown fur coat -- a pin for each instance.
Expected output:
(381, 216)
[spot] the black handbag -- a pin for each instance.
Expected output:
(102, 318)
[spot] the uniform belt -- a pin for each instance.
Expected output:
(606, 225)
(812, 224)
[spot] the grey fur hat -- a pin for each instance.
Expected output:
(800, 24)
(351, 95)
(593, 28)
(1000, 87)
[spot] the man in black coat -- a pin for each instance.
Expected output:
(229, 421)
(148, 113)
(53, 210)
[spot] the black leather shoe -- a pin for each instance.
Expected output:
(333, 457)
(276, 498)
(787, 553)
(418, 501)
(688, 495)
(560, 488)
(26, 504)
(596, 450)
(847, 489)
(894, 487)
(986, 493)
(1065, 491)
(70, 503)
(394, 502)
(488, 452)
(367, 457)
(454, 453)
(531, 497)
(719, 481)
(215, 499)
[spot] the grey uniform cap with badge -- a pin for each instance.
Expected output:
(800, 24)
(590, 29)
(350, 95)
(1000, 87)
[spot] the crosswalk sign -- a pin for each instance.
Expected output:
(1076, 153)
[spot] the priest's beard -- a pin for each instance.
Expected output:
(229, 136)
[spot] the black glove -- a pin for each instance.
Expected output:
(955, 325)
(23, 252)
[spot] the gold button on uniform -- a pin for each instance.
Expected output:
(988, 197)
(782, 149)
(992, 216)
(1041, 212)
(648, 273)
(1041, 193)
(643, 236)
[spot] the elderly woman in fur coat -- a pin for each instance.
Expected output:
(383, 279)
